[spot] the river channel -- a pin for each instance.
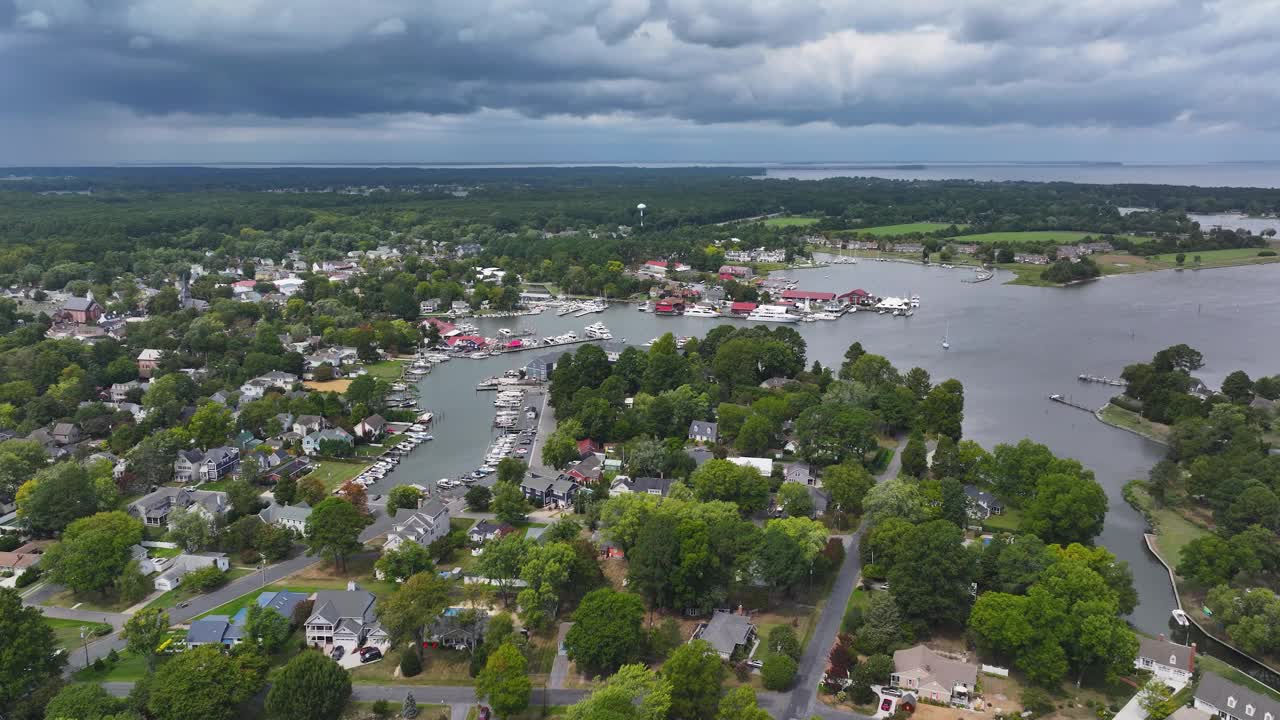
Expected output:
(1011, 347)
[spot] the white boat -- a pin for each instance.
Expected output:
(701, 311)
(645, 307)
(598, 331)
(891, 304)
(825, 316)
(1180, 617)
(504, 332)
(773, 313)
(915, 301)
(946, 337)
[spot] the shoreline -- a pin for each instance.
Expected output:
(1099, 414)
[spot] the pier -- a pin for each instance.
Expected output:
(1101, 380)
(1071, 403)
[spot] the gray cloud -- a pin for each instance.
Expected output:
(911, 63)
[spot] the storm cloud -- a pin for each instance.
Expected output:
(384, 66)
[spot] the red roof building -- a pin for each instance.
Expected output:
(859, 296)
(742, 308)
(587, 446)
(735, 271)
(808, 295)
(657, 263)
(444, 327)
(669, 306)
(472, 341)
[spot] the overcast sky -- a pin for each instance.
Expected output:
(100, 81)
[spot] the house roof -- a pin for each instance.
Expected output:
(1221, 692)
(208, 630)
(375, 421)
(282, 602)
(648, 484)
(807, 295)
(79, 303)
(1167, 653)
(980, 496)
(702, 427)
(275, 512)
(929, 666)
(337, 605)
(725, 631)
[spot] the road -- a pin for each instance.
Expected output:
(198, 605)
(560, 666)
(800, 703)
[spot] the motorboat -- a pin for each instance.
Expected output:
(504, 332)
(773, 313)
(598, 331)
(915, 301)
(701, 311)
(825, 316)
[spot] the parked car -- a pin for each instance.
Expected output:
(755, 664)
(338, 652)
(482, 712)
(369, 654)
(886, 705)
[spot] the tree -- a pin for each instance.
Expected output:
(915, 456)
(778, 673)
(190, 529)
(83, 701)
(874, 671)
(311, 490)
(204, 683)
(511, 470)
(244, 497)
(782, 640)
(633, 693)
(31, 657)
(286, 490)
(404, 561)
(606, 632)
(739, 484)
(501, 562)
(894, 498)
(210, 424)
(478, 498)
(56, 496)
(131, 586)
(918, 382)
(354, 493)
(795, 500)
(942, 594)
(1154, 698)
(505, 681)
(509, 503)
(308, 687)
(942, 410)
(546, 571)
(407, 613)
(835, 432)
(333, 530)
(403, 496)
(1238, 387)
(695, 673)
(848, 484)
(266, 627)
(205, 579)
(144, 632)
(93, 552)
(881, 626)
(788, 551)
(560, 449)
(1066, 509)
(273, 541)
(740, 704)
(755, 436)
(409, 709)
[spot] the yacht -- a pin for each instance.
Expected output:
(504, 332)
(915, 301)
(773, 313)
(645, 307)
(825, 316)
(598, 331)
(701, 311)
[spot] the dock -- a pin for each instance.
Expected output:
(1101, 380)
(1071, 403)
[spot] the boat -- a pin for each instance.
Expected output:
(645, 307)
(701, 311)
(825, 316)
(946, 341)
(1180, 617)
(504, 332)
(773, 313)
(915, 301)
(598, 331)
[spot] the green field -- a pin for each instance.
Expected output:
(386, 369)
(1214, 258)
(1174, 532)
(1129, 420)
(791, 221)
(67, 632)
(1065, 237)
(130, 668)
(1008, 521)
(335, 472)
(905, 229)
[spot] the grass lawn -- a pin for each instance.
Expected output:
(458, 523)
(93, 603)
(1129, 420)
(905, 229)
(362, 710)
(183, 592)
(67, 632)
(1007, 521)
(337, 386)
(335, 472)
(791, 221)
(386, 369)
(311, 579)
(439, 667)
(130, 668)
(1174, 532)
(1064, 237)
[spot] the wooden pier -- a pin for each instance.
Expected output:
(1071, 403)
(1101, 380)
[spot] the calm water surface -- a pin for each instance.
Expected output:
(1010, 346)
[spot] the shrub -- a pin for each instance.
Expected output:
(1266, 253)
(1036, 701)
(778, 673)
(98, 665)
(27, 578)
(783, 640)
(204, 579)
(113, 657)
(410, 665)
(381, 708)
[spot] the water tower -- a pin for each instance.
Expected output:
(640, 207)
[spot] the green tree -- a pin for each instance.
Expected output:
(560, 449)
(511, 470)
(210, 425)
(83, 701)
(144, 632)
(1238, 387)
(727, 481)
(882, 625)
(308, 687)
(740, 704)
(942, 411)
(204, 683)
(633, 693)
(333, 530)
(403, 496)
(942, 594)
(848, 484)
(606, 633)
(189, 529)
(501, 562)
(243, 497)
(478, 498)
(788, 550)
(505, 681)
(509, 503)
(833, 433)
(132, 586)
(795, 500)
(915, 456)
(1066, 509)
(266, 627)
(755, 436)
(1154, 698)
(918, 382)
(94, 551)
(57, 496)
(782, 640)
(778, 673)
(547, 570)
(406, 613)
(695, 673)
(31, 657)
(285, 490)
(404, 561)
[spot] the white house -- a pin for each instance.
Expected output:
(290, 517)
(154, 508)
(311, 443)
(423, 526)
(346, 618)
(171, 576)
(1171, 662)
(1222, 698)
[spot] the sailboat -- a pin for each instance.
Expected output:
(946, 342)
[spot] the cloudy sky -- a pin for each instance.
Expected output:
(89, 81)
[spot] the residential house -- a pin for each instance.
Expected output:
(1169, 661)
(485, 531)
(457, 629)
(587, 471)
(371, 428)
(213, 464)
(153, 509)
(704, 432)
(246, 441)
(294, 468)
(981, 504)
(1031, 259)
(256, 388)
(735, 272)
(799, 472)
(543, 492)
(174, 571)
(344, 618)
(215, 630)
(306, 424)
(423, 526)
(66, 433)
(728, 633)
(764, 465)
(1220, 697)
(646, 485)
(119, 392)
(934, 676)
(656, 268)
(588, 447)
(820, 498)
(22, 557)
(148, 362)
(290, 517)
(311, 443)
(81, 310)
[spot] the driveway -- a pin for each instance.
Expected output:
(560, 666)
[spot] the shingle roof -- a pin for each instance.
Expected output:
(725, 631)
(1166, 653)
(1220, 692)
(928, 666)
